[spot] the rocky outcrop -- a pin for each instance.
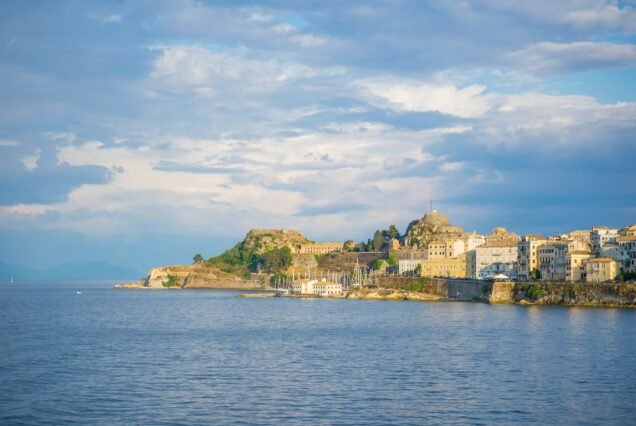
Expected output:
(433, 226)
(263, 240)
(198, 276)
(376, 294)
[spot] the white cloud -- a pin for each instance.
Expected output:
(553, 120)
(408, 95)
(548, 57)
(8, 142)
(606, 16)
(67, 137)
(583, 15)
(30, 162)
(451, 166)
(208, 72)
(356, 127)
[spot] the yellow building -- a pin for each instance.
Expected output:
(321, 248)
(460, 267)
(600, 269)
(528, 255)
(444, 249)
(575, 264)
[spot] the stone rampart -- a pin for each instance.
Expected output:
(194, 282)
(540, 293)
(347, 261)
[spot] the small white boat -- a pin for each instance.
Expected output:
(78, 292)
(11, 281)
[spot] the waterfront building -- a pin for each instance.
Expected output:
(552, 260)
(394, 244)
(327, 288)
(528, 255)
(627, 246)
(575, 265)
(318, 288)
(495, 257)
(408, 265)
(459, 267)
(612, 250)
(321, 248)
(600, 269)
(600, 236)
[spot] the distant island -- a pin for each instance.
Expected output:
(432, 260)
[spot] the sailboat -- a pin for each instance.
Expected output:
(11, 280)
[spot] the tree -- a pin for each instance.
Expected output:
(197, 258)
(378, 241)
(393, 260)
(349, 245)
(360, 247)
(418, 269)
(393, 232)
(378, 264)
(535, 274)
(276, 259)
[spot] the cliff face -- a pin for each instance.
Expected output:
(197, 276)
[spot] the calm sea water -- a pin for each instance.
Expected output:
(208, 357)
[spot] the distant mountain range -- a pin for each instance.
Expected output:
(71, 271)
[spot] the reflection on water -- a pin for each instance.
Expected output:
(166, 357)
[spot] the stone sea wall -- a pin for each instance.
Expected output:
(540, 293)
(202, 282)
(555, 293)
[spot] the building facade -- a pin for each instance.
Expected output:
(408, 265)
(601, 235)
(528, 255)
(495, 258)
(321, 248)
(600, 269)
(318, 288)
(575, 265)
(459, 267)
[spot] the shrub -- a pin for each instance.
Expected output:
(172, 281)
(534, 291)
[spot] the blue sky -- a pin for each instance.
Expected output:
(143, 132)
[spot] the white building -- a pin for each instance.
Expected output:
(318, 288)
(496, 258)
(408, 265)
(601, 235)
(627, 245)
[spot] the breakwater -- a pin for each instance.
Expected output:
(541, 293)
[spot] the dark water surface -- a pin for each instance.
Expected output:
(206, 357)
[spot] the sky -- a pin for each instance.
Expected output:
(143, 132)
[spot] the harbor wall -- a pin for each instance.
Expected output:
(542, 293)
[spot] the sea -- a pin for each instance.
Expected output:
(84, 353)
